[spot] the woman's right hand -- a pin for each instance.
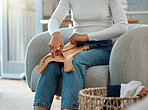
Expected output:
(56, 44)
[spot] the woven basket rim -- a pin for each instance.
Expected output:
(104, 97)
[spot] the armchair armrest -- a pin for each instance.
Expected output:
(37, 49)
(129, 57)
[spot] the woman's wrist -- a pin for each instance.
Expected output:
(56, 33)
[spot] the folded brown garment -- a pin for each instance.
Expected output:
(66, 56)
(143, 93)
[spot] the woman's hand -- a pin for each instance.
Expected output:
(56, 44)
(75, 38)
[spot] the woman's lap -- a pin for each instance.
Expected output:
(93, 57)
(82, 61)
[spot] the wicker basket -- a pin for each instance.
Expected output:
(96, 99)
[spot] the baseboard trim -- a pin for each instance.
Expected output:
(10, 76)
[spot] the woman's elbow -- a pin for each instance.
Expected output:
(123, 28)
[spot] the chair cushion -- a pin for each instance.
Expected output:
(96, 76)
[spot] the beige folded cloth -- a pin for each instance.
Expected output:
(66, 56)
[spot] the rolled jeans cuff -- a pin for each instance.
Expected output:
(42, 103)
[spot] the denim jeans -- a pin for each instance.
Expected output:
(73, 81)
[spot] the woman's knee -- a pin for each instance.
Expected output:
(77, 61)
(52, 64)
(52, 68)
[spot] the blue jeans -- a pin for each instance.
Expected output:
(73, 82)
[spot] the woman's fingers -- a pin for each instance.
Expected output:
(56, 43)
(73, 39)
(61, 47)
(54, 51)
(51, 47)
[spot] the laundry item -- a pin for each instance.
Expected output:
(66, 56)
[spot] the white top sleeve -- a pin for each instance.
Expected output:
(120, 24)
(58, 16)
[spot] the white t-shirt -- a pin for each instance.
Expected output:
(92, 17)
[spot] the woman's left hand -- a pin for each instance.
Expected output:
(75, 38)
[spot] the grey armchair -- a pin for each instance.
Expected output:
(128, 60)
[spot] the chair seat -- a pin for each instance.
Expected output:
(96, 76)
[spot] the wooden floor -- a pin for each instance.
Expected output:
(16, 95)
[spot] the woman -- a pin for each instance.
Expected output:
(93, 26)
